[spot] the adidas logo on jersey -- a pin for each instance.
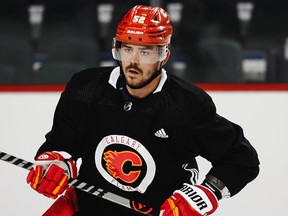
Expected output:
(161, 134)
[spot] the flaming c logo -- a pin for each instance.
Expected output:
(125, 163)
(115, 162)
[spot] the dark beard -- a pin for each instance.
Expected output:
(141, 85)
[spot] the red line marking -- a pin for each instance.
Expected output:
(205, 86)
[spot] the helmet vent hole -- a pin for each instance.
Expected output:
(140, 39)
(129, 38)
(155, 19)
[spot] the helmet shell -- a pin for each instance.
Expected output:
(145, 25)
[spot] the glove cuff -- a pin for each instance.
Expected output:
(49, 156)
(199, 197)
(62, 159)
(72, 168)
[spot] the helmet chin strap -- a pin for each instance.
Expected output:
(156, 74)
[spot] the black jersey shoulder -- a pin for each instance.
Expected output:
(91, 75)
(185, 100)
(89, 84)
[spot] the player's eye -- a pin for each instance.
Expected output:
(144, 53)
(127, 50)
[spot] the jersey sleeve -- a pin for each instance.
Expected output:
(62, 136)
(234, 160)
(83, 90)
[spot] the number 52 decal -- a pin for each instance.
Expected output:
(138, 19)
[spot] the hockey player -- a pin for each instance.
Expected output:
(136, 131)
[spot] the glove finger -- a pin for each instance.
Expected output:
(51, 187)
(43, 185)
(52, 171)
(30, 176)
(169, 208)
(37, 177)
(51, 196)
(173, 207)
(58, 175)
(54, 182)
(62, 185)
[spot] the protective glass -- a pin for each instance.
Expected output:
(140, 54)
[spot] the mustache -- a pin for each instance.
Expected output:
(133, 66)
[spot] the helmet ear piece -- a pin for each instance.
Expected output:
(116, 44)
(114, 53)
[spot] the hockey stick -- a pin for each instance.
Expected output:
(88, 188)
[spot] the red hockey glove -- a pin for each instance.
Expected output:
(190, 200)
(51, 174)
(65, 205)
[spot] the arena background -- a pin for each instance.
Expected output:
(249, 83)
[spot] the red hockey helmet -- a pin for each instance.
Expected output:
(145, 25)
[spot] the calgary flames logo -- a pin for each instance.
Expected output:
(125, 163)
(116, 161)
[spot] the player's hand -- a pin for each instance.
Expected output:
(191, 200)
(51, 174)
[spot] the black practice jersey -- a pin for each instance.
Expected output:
(144, 149)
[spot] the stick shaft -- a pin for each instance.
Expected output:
(88, 188)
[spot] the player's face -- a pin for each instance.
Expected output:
(139, 63)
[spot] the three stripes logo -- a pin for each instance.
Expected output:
(161, 134)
